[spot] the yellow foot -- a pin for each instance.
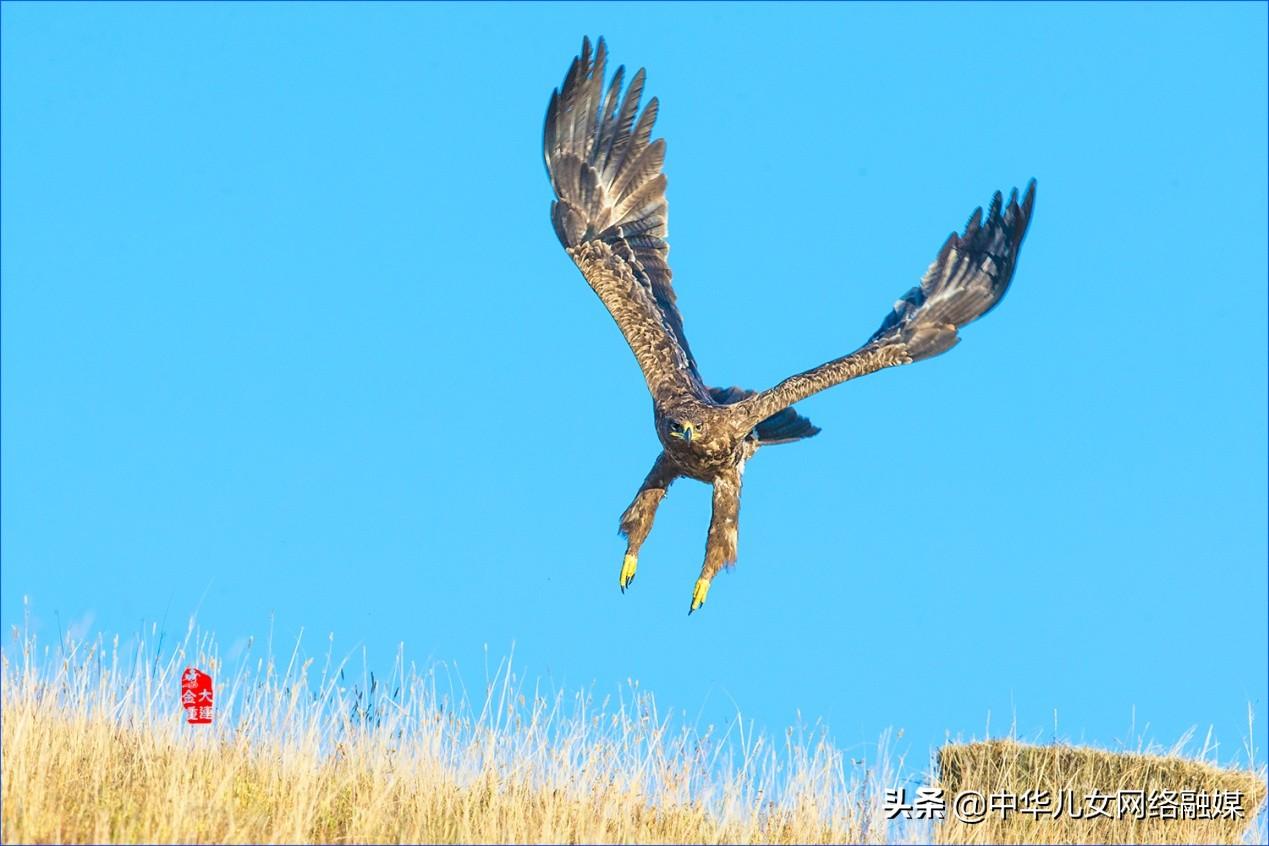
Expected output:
(699, 594)
(628, 571)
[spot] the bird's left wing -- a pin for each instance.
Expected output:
(611, 215)
(967, 279)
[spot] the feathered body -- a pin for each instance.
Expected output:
(611, 215)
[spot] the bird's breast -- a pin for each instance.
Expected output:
(703, 459)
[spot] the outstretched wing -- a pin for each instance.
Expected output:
(611, 215)
(967, 280)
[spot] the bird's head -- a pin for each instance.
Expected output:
(684, 431)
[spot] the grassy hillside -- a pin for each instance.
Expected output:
(95, 749)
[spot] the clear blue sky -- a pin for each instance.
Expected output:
(286, 332)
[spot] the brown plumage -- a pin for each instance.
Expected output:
(611, 215)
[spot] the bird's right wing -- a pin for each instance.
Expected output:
(967, 280)
(611, 215)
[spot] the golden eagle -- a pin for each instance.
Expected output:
(610, 213)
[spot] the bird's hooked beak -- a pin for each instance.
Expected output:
(685, 432)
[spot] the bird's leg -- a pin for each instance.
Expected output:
(636, 522)
(720, 546)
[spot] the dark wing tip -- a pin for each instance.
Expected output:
(969, 277)
(1028, 201)
(1018, 217)
(996, 201)
(975, 220)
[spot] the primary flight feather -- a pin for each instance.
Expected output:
(611, 215)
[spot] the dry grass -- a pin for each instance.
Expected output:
(1064, 773)
(95, 749)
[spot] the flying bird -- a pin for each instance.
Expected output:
(611, 215)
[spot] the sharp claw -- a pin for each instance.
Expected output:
(628, 565)
(698, 595)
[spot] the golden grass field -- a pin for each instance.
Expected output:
(95, 749)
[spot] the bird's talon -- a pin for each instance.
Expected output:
(698, 594)
(628, 566)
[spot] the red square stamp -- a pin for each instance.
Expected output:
(196, 696)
